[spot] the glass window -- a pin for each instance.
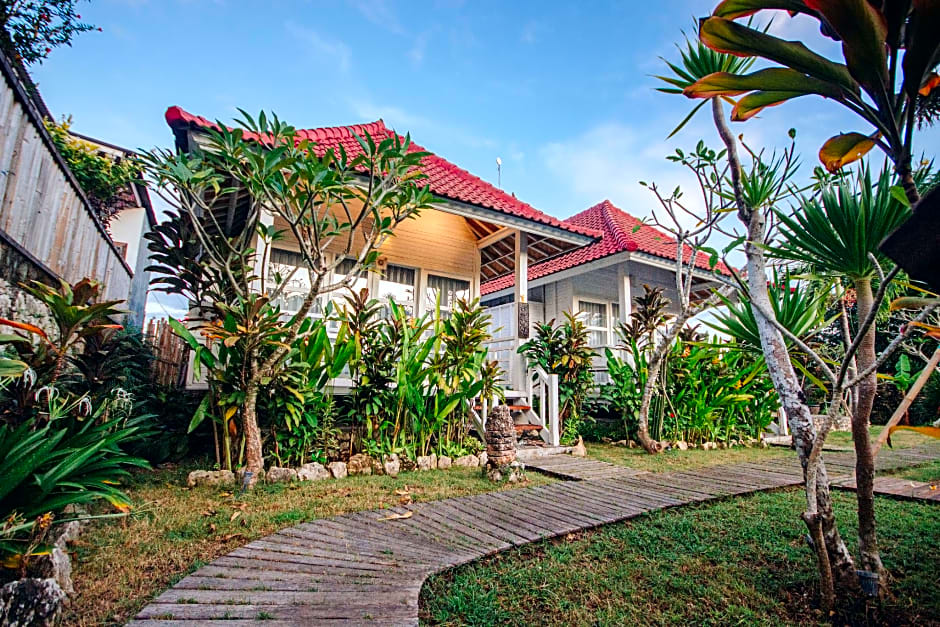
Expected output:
(450, 290)
(287, 267)
(398, 283)
(594, 316)
(345, 267)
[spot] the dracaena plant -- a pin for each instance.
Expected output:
(888, 69)
(564, 350)
(76, 315)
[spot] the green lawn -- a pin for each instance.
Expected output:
(900, 439)
(174, 530)
(927, 472)
(698, 458)
(680, 460)
(738, 561)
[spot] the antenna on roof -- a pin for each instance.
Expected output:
(499, 173)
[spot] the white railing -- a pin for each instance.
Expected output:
(544, 386)
(504, 353)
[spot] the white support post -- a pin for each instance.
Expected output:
(263, 252)
(420, 306)
(553, 411)
(521, 295)
(522, 267)
(623, 292)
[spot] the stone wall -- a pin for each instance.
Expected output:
(15, 303)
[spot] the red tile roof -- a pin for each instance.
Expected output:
(443, 177)
(619, 236)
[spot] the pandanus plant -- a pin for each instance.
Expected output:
(837, 234)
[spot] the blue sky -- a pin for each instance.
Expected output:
(561, 91)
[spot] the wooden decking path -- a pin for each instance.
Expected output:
(899, 488)
(369, 568)
(579, 468)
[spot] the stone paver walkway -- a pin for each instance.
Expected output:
(368, 567)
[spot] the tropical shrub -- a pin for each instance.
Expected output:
(103, 179)
(415, 380)
(708, 390)
(337, 223)
(64, 459)
(67, 426)
(564, 350)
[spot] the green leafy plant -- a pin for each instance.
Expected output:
(564, 350)
(415, 379)
(332, 218)
(30, 30)
(62, 462)
(104, 179)
(890, 60)
(54, 356)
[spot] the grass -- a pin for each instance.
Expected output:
(928, 473)
(900, 439)
(741, 560)
(174, 531)
(675, 459)
(680, 460)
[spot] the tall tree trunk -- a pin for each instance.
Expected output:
(254, 459)
(837, 565)
(655, 366)
(864, 457)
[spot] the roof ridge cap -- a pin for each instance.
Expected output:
(623, 241)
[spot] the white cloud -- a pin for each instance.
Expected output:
(416, 53)
(334, 51)
(609, 160)
(422, 129)
(393, 116)
(380, 13)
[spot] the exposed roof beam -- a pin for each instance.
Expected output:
(496, 236)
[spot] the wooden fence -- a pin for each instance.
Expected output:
(43, 212)
(169, 352)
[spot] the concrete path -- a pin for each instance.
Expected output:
(368, 567)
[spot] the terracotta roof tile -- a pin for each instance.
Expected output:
(619, 236)
(443, 177)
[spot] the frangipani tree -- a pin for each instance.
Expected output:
(754, 193)
(338, 209)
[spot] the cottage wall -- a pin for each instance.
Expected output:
(435, 242)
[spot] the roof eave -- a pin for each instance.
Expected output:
(602, 262)
(500, 218)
